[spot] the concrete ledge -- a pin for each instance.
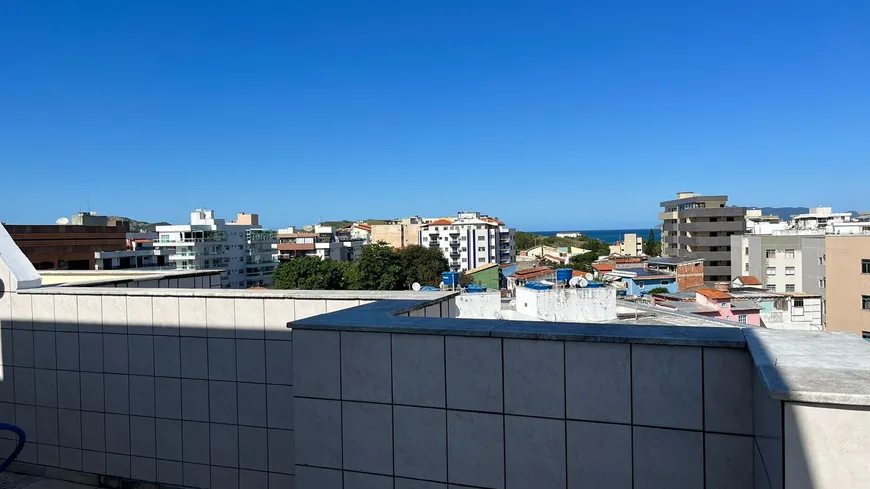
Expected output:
(386, 317)
(370, 295)
(812, 366)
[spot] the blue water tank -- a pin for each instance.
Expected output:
(538, 286)
(450, 278)
(564, 274)
(475, 288)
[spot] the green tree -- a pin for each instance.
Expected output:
(465, 279)
(652, 246)
(310, 273)
(658, 290)
(422, 264)
(583, 262)
(378, 267)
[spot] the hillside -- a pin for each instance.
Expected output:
(141, 226)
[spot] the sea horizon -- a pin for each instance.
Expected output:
(609, 236)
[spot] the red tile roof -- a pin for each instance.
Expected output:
(749, 280)
(439, 222)
(603, 267)
(553, 258)
(713, 294)
(364, 227)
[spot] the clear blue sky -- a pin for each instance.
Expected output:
(549, 115)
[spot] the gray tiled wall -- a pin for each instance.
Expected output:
(184, 391)
(429, 411)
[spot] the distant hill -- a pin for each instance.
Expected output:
(785, 213)
(143, 226)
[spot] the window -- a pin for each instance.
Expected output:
(481, 248)
(789, 287)
(770, 287)
(865, 335)
(789, 253)
(789, 270)
(665, 282)
(798, 302)
(770, 253)
(741, 318)
(865, 266)
(481, 238)
(464, 260)
(865, 302)
(746, 267)
(425, 239)
(771, 270)
(481, 260)
(821, 283)
(820, 261)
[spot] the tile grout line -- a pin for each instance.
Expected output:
(631, 406)
(340, 407)
(446, 420)
(703, 424)
(503, 419)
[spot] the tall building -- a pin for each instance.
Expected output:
(241, 248)
(631, 245)
(470, 240)
(847, 302)
(697, 226)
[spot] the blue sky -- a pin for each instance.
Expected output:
(550, 115)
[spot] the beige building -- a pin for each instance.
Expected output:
(398, 235)
(631, 245)
(848, 284)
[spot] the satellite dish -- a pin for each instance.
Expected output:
(416, 287)
(62, 221)
(590, 277)
(575, 281)
(583, 282)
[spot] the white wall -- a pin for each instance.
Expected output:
(568, 305)
(483, 305)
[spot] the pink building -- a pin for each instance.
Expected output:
(720, 306)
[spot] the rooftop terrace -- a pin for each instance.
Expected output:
(210, 388)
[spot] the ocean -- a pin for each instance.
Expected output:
(609, 236)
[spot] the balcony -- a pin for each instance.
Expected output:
(363, 379)
(454, 243)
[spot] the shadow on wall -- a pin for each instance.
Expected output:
(150, 399)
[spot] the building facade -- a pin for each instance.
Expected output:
(696, 226)
(241, 249)
(847, 298)
(398, 234)
(783, 263)
(323, 242)
(631, 245)
(470, 240)
(140, 254)
(689, 273)
(67, 247)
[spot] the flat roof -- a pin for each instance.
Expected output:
(697, 198)
(672, 260)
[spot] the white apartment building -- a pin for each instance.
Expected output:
(470, 240)
(819, 218)
(241, 249)
(139, 255)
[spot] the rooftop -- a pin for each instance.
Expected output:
(673, 261)
(713, 294)
(749, 280)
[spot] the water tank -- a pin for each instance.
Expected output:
(450, 278)
(475, 288)
(564, 274)
(538, 286)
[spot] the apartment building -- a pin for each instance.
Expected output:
(697, 226)
(470, 240)
(848, 284)
(631, 245)
(783, 263)
(322, 242)
(140, 254)
(241, 248)
(398, 234)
